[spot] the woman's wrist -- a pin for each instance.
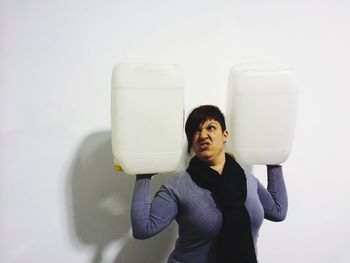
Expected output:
(273, 165)
(144, 176)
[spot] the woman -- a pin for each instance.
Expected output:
(218, 206)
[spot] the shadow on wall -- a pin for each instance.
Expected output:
(100, 200)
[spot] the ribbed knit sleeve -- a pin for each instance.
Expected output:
(149, 217)
(274, 199)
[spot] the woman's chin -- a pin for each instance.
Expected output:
(204, 156)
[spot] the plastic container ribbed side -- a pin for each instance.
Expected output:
(261, 113)
(147, 117)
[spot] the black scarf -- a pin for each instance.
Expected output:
(235, 242)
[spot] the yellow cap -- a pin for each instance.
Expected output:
(118, 167)
(232, 155)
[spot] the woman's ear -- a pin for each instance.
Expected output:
(225, 133)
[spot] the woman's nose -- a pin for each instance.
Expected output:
(203, 134)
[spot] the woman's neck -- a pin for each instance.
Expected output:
(219, 164)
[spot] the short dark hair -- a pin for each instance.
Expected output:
(200, 115)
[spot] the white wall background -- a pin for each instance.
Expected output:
(61, 201)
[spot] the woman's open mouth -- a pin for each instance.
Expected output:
(204, 146)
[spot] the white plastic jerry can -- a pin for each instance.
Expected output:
(147, 117)
(261, 109)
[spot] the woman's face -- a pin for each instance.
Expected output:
(208, 141)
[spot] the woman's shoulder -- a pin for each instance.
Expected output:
(178, 183)
(178, 178)
(251, 179)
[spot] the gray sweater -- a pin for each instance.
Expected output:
(196, 213)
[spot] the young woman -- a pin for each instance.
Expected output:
(219, 207)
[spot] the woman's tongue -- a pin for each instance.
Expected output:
(204, 146)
